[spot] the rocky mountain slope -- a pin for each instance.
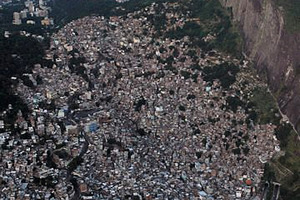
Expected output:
(273, 48)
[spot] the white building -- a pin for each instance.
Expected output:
(23, 14)
(31, 7)
(16, 18)
(41, 3)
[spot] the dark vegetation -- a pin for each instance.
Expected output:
(49, 181)
(225, 73)
(72, 101)
(158, 20)
(286, 168)
(15, 60)
(138, 104)
(65, 11)
(233, 103)
(134, 5)
(291, 14)
(265, 107)
(6, 16)
(76, 66)
(74, 163)
(291, 160)
(213, 18)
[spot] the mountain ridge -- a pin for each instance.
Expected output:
(273, 48)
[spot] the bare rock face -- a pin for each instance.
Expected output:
(275, 51)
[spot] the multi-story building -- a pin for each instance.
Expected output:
(17, 18)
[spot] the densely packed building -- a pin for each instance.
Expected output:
(124, 114)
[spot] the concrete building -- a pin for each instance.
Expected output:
(23, 14)
(31, 7)
(16, 18)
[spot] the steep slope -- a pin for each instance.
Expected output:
(273, 48)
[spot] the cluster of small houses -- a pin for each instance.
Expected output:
(150, 131)
(33, 9)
